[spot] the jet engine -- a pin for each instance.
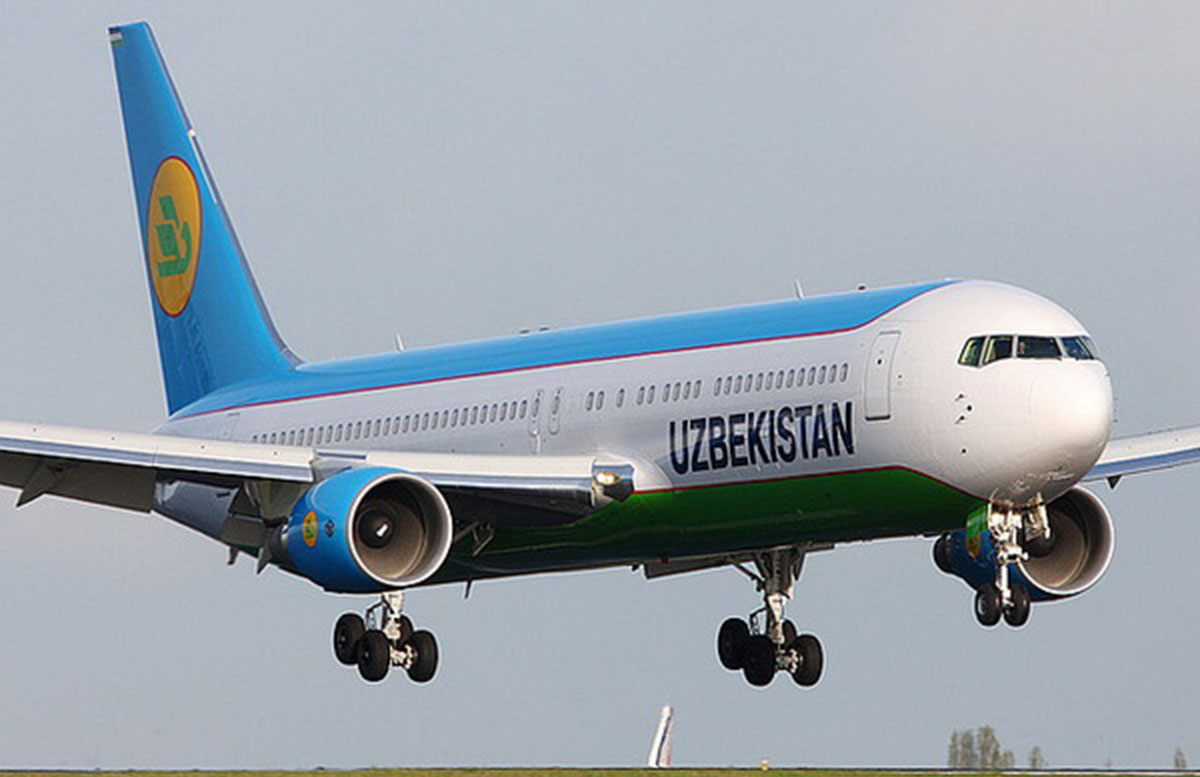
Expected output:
(367, 530)
(1081, 532)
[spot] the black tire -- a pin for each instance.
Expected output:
(374, 656)
(789, 632)
(347, 634)
(988, 605)
(731, 643)
(811, 660)
(406, 629)
(941, 554)
(1017, 614)
(1040, 546)
(426, 663)
(759, 653)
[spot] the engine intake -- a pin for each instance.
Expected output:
(369, 529)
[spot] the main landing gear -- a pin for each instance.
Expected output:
(385, 639)
(769, 643)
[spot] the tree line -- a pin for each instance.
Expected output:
(980, 750)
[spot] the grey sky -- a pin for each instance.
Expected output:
(458, 170)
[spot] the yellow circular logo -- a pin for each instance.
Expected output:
(310, 529)
(173, 233)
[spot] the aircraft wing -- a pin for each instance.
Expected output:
(1147, 452)
(121, 470)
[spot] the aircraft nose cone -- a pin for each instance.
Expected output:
(1071, 409)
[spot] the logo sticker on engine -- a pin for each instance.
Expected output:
(310, 529)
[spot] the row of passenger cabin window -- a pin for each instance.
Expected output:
(471, 415)
(985, 349)
(780, 379)
(679, 391)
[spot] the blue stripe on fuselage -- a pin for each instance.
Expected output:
(623, 339)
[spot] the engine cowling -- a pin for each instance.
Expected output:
(366, 530)
(1083, 546)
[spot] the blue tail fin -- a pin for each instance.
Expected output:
(213, 328)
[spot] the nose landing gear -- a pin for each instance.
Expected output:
(769, 643)
(1016, 535)
(385, 639)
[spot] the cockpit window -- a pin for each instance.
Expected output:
(1080, 347)
(998, 347)
(982, 350)
(1037, 348)
(971, 352)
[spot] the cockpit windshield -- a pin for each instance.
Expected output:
(982, 350)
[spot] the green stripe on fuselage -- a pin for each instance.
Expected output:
(703, 521)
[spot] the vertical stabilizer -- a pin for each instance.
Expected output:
(213, 328)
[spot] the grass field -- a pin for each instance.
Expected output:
(503, 772)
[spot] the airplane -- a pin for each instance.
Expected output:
(962, 410)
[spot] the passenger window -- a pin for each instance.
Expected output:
(503, 411)
(717, 387)
(424, 421)
(587, 405)
(812, 375)
(758, 382)
(641, 394)
(454, 418)
(492, 415)
(687, 390)
(737, 388)
(971, 351)
(600, 401)
(821, 375)
(474, 414)
(525, 406)
(791, 378)
(337, 433)
(650, 396)
(1037, 348)
(675, 393)
(620, 400)
(770, 380)
(699, 385)
(998, 348)
(845, 372)
(728, 384)
(405, 426)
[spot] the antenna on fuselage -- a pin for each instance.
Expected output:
(399, 342)
(799, 288)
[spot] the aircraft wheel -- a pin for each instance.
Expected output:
(731, 643)
(988, 604)
(406, 629)
(347, 634)
(374, 656)
(759, 667)
(941, 554)
(425, 665)
(1017, 615)
(812, 660)
(789, 632)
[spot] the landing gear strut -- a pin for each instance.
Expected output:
(769, 643)
(1016, 535)
(385, 638)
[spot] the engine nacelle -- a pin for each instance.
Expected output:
(366, 530)
(1083, 546)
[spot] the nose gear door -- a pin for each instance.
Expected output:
(878, 381)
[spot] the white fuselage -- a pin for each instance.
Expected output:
(1016, 431)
